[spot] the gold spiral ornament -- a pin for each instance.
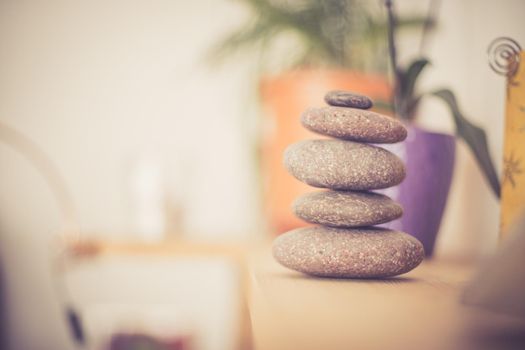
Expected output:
(504, 56)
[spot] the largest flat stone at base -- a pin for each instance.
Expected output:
(348, 253)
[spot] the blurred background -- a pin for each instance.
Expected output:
(162, 133)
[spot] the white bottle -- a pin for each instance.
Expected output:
(148, 198)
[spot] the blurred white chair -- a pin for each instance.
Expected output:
(32, 316)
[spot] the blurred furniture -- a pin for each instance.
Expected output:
(500, 282)
(287, 310)
(189, 290)
(419, 310)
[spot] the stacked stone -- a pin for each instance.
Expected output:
(345, 244)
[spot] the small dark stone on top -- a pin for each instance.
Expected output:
(347, 99)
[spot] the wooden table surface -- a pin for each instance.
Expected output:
(419, 310)
(289, 310)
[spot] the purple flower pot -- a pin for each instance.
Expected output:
(429, 160)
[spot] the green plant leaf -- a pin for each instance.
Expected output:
(475, 138)
(410, 77)
(407, 80)
(333, 33)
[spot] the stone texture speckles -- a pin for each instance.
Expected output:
(354, 125)
(347, 99)
(346, 208)
(343, 165)
(348, 253)
(347, 245)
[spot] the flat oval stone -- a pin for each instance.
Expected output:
(346, 209)
(354, 124)
(348, 253)
(347, 99)
(343, 165)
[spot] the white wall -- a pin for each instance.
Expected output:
(100, 85)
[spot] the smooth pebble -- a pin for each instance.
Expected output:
(346, 208)
(347, 99)
(348, 253)
(343, 165)
(354, 125)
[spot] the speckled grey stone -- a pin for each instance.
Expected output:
(348, 253)
(347, 99)
(354, 124)
(343, 165)
(346, 208)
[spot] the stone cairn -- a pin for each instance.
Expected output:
(345, 244)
